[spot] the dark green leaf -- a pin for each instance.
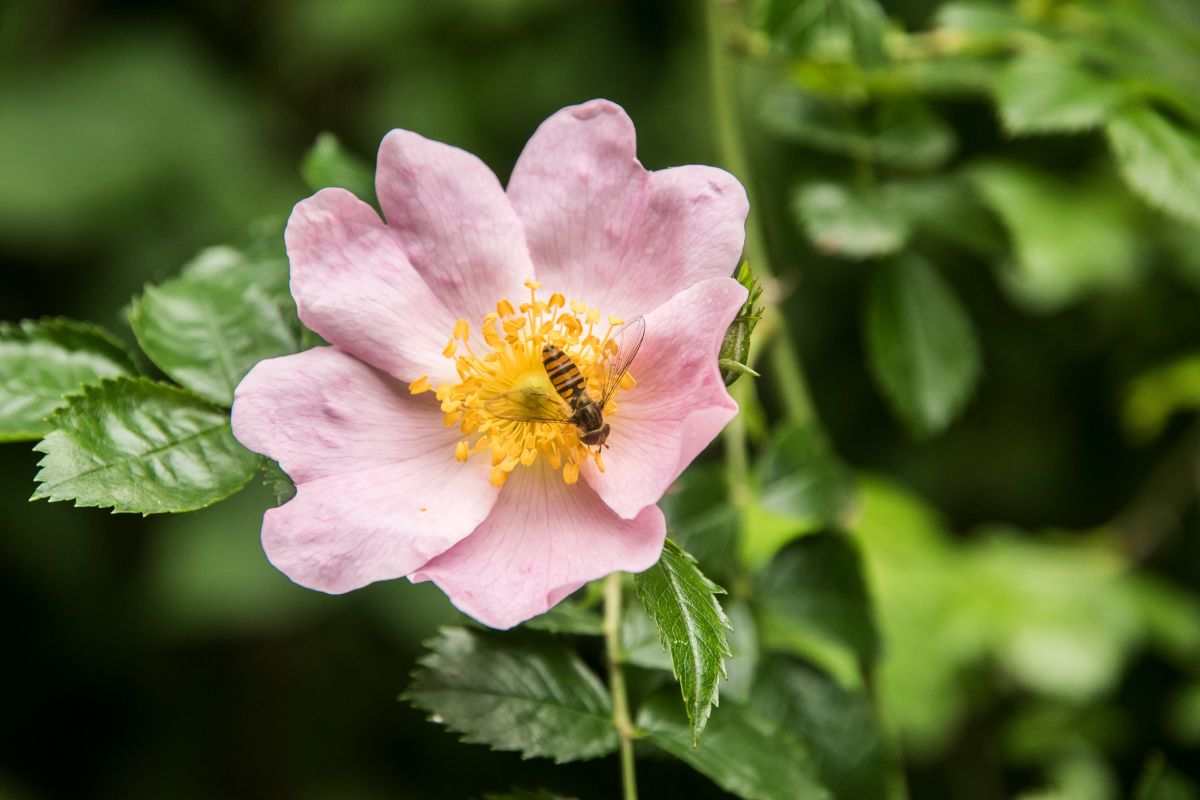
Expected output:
(740, 752)
(921, 344)
(1042, 92)
(209, 326)
(804, 487)
(743, 642)
(683, 604)
(815, 589)
(850, 223)
(536, 698)
(1159, 781)
(134, 445)
(905, 135)
(42, 360)
(839, 727)
(275, 479)
(641, 643)
(525, 794)
(568, 617)
(702, 520)
(1159, 159)
(1070, 237)
(327, 164)
(801, 25)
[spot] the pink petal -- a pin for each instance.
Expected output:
(354, 285)
(379, 492)
(679, 404)
(604, 230)
(454, 221)
(542, 541)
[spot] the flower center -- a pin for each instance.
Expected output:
(506, 403)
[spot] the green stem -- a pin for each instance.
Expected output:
(783, 358)
(616, 683)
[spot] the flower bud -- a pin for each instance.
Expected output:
(735, 349)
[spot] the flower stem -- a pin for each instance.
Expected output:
(785, 363)
(616, 683)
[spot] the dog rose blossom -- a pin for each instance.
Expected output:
(437, 313)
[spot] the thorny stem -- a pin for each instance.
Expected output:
(785, 364)
(616, 683)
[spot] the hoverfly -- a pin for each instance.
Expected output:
(574, 405)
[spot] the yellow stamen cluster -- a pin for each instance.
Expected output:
(504, 398)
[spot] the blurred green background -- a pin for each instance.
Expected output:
(164, 657)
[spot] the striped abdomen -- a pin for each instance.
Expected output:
(566, 378)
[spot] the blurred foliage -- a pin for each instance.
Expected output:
(982, 219)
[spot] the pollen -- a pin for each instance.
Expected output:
(504, 403)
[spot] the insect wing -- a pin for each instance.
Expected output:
(629, 339)
(529, 406)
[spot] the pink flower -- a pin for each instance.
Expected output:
(402, 467)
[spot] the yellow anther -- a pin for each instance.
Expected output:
(498, 387)
(615, 321)
(420, 385)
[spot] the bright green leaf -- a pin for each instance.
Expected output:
(209, 326)
(1042, 92)
(536, 698)
(1155, 396)
(740, 752)
(327, 164)
(850, 223)
(1070, 238)
(815, 589)
(694, 629)
(1159, 159)
(921, 344)
(42, 360)
(839, 727)
(134, 445)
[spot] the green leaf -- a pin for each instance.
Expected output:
(641, 643)
(851, 223)
(1159, 160)
(1155, 396)
(1070, 238)
(327, 164)
(1042, 92)
(797, 26)
(743, 642)
(536, 698)
(905, 135)
(1160, 781)
(740, 752)
(277, 481)
(567, 617)
(803, 487)
(209, 326)
(839, 727)
(683, 604)
(526, 794)
(134, 445)
(814, 592)
(921, 345)
(702, 520)
(42, 360)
